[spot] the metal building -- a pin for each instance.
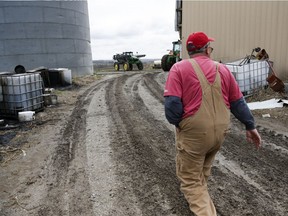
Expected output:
(53, 34)
(238, 27)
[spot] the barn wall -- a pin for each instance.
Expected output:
(240, 26)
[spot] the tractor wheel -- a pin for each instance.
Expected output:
(140, 66)
(126, 66)
(165, 64)
(131, 66)
(116, 66)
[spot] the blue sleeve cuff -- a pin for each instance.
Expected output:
(242, 112)
(173, 110)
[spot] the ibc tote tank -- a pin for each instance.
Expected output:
(53, 34)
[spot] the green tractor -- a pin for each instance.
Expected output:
(174, 56)
(127, 59)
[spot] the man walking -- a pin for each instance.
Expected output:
(199, 95)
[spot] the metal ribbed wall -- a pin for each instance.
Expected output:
(240, 26)
(53, 34)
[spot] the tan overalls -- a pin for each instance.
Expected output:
(197, 143)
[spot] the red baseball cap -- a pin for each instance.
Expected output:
(197, 40)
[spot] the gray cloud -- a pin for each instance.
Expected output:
(145, 27)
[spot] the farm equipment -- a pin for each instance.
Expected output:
(127, 59)
(170, 59)
(274, 82)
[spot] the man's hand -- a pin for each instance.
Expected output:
(253, 136)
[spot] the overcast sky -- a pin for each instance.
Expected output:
(143, 26)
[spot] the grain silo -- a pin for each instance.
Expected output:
(53, 34)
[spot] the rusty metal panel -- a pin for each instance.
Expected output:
(240, 26)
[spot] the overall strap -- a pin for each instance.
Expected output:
(203, 80)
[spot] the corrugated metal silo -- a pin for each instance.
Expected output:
(53, 34)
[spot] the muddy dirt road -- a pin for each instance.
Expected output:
(107, 149)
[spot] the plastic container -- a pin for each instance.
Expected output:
(250, 77)
(26, 116)
(21, 92)
(57, 77)
(50, 99)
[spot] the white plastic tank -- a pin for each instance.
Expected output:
(250, 76)
(21, 92)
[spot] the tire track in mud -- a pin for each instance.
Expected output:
(142, 151)
(250, 182)
(246, 182)
(243, 182)
(153, 86)
(256, 184)
(69, 187)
